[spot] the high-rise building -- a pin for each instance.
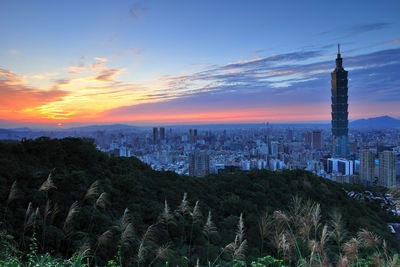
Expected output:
(340, 144)
(199, 164)
(274, 148)
(316, 139)
(387, 168)
(307, 138)
(162, 133)
(340, 166)
(367, 167)
(155, 135)
(289, 135)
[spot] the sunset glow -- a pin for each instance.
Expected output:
(123, 74)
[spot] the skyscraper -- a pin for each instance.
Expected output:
(307, 138)
(162, 133)
(367, 167)
(387, 168)
(340, 145)
(155, 135)
(316, 139)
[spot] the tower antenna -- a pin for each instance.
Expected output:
(338, 48)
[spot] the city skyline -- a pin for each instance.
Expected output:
(152, 63)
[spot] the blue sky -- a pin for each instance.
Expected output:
(146, 62)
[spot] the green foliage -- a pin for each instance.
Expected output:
(267, 261)
(103, 187)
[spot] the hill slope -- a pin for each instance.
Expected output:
(376, 123)
(75, 164)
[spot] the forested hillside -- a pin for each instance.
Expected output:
(73, 197)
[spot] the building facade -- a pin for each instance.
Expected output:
(367, 167)
(340, 140)
(316, 139)
(199, 164)
(162, 133)
(155, 135)
(387, 169)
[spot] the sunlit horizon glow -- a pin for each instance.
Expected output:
(144, 68)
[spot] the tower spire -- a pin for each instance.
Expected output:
(339, 59)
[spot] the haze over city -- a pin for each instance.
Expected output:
(68, 63)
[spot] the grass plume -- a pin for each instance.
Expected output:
(13, 192)
(92, 190)
(48, 184)
(68, 223)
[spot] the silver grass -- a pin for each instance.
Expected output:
(209, 227)
(28, 210)
(241, 251)
(126, 218)
(343, 261)
(166, 216)
(37, 217)
(102, 201)
(184, 207)
(73, 211)
(316, 216)
(196, 214)
(92, 190)
(105, 238)
(264, 225)
(284, 245)
(162, 251)
(48, 184)
(54, 213)
(338, 229)
(240, 229)
(231, 247)
(127, 235)
(350, 249)
(47, 211)
(29, 217)
(367, 238)
(281, 218)
(325, 235)
(13, 192)
(146, 244)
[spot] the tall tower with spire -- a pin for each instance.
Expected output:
(340, 122)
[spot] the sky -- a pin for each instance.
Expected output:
(66, 63)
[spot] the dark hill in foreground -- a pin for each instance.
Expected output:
(75, 164)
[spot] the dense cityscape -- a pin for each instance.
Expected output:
(364, 156)
(207, 149)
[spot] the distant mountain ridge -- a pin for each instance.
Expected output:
(377, 122)
(109, 127)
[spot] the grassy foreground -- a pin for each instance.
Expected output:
(66, 204)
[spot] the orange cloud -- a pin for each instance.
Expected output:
(16, 98)
(9, 78)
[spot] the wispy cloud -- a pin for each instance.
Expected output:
(108, 75)
(352, 31)
(138, 11)
(279, 82)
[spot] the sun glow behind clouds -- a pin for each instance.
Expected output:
(255, 90)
